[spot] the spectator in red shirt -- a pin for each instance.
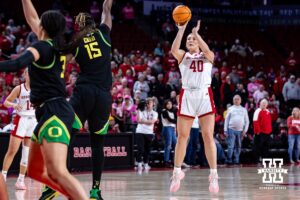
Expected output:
(114, 67)
(262, 124)
(169, 61)
(293, 124)
(140, 66)
(128, 13)
(125, 66)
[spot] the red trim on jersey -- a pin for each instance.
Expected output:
(181, 115)
(182, 58)
(180, 101)
(27, 137)
(16, 123)
(212, 104)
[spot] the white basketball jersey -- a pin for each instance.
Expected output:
(24, 102)
(195, 70)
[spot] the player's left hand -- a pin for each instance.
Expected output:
(196, 28)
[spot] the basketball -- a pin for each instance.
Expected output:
(181, 14)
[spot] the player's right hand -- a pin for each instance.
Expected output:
(182, 27)
(17, 107)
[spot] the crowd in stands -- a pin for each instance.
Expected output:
(141, 74)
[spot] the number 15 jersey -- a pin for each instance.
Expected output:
(93, 55)
(195, 70)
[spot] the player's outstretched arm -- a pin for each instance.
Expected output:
(175, 49)
(203, 46)
(106, 13)
(31, 16)
(26, 58)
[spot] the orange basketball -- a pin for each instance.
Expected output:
(181, 14)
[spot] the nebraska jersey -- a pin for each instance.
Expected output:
(195, 70)
(24, 102)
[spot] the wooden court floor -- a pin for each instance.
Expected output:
(235, 183)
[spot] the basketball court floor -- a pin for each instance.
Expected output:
(235, 183)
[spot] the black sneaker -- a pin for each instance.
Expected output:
(48, 193)
(95, 194)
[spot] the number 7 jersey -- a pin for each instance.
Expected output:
(195, 70)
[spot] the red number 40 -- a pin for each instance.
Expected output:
(197, 66)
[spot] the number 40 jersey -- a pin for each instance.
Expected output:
(195, 70)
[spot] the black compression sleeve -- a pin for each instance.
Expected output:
(14, 65)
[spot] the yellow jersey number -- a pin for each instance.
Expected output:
(63, 59)
(93, 50)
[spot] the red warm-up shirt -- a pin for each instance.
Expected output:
(262, 121)
(293, 125)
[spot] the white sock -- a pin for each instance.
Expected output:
(21, 177)
(4, 173)
(177, 170)
(139, 164)
(213, 171)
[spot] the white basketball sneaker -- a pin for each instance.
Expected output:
(213, 183)
(175, 181)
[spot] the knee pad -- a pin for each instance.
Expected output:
(25, 153)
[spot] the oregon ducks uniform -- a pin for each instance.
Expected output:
(91, 99)
(54, 114)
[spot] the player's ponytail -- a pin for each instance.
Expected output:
(54, 23)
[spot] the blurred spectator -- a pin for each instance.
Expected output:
(227, 89)
(260, 94)
(20, 46)
(235, 128)
(117, 57)
(278, 84)
(130, 79)
(140, 66)
(128, 13)
(262, 124)
(125, 65)
(215, 86)
(238, 48)
(168, 118)
(169, 61)
(95, 10)
(70, 87)
(241, 92)
(173, 77)
(113, 126)
(291, 60)
(157, 66)
(142, 86)
(293, 124)
(129, 112)
(158, 51)
(117, 111)
(69, 23)
(31, 38)
(291, 93)
(10, 37)
(114, 67)
(11, 26)
(144, 131)
(234, 77)
(168, 30)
